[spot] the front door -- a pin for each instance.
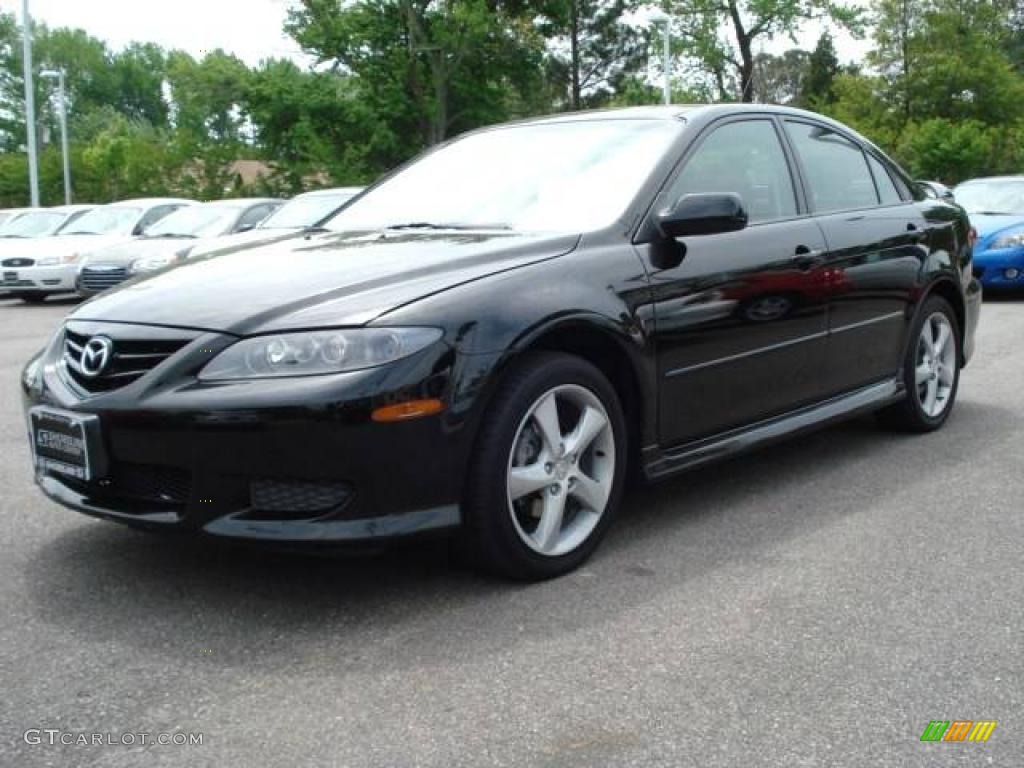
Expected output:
(740, 318)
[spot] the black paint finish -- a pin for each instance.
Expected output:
(715, 343)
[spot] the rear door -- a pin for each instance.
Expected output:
(877, 242)
(740, 317)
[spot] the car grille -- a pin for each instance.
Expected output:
(130, 359)
(94, 279)
(127, 481)
(299, 497)
(17, 262)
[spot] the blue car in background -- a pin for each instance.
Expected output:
(996, 208)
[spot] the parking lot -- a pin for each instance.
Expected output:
(814, 604)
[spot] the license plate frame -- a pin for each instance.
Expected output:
(66, 443)
(10, 276)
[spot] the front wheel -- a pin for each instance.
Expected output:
(33, 298)
(548, 472)
(931, 371)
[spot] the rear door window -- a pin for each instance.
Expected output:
(835, 168)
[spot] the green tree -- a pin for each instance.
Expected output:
(822, 68)
(425, 69)
(591, 50)
(723, 34)
(780, 79)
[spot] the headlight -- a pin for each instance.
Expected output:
(31, 371)
(48, 261)
(153, 263)
(317, 352)
(1015, 240)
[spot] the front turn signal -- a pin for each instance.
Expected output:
(411, 409)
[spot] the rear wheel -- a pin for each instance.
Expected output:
(548, 471)
(931, 371)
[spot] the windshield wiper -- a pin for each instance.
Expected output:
(994, 213)
(172, 236)
(443, 225)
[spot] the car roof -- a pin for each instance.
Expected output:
(671, 112)
(332, 192)
(241, 202)
(71, 208)
(994, 178)
(149, 202)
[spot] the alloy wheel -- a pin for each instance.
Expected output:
(561, 470)
(935, 371)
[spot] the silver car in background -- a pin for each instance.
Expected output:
(171, 240)
(52, 266)
(294, 217)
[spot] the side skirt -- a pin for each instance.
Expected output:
(762, 433)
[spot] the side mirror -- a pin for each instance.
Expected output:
(703, 214)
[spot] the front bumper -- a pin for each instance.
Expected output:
(294, 461)
(1000, 268)
(59, 278)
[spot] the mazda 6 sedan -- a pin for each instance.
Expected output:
(488, 340)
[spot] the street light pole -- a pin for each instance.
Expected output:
(668, 62)
(63, 95)
(660, 17)
(30, 106)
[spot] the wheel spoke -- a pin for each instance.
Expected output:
(591, 423)
(930, 396)
(590, 493)
(526, 480)
(922, 373)
(946, 375)
(546, 416)
(928, 335)
(941, 340)
(549, 528)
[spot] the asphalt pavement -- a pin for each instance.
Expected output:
(814, 604)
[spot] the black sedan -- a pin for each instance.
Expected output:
(486, 341)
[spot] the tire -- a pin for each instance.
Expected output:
(517, 533)
(33, 298)
(919, 412)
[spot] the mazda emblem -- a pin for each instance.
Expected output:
(96, 356)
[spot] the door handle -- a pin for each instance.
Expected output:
(807, 258)
(917, 235)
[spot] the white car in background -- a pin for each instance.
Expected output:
(7, 215)
(54, 260)
(35, 223)
(171, 240)
(294, 217)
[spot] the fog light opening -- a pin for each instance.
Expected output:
(411, 409)
(1011, 273)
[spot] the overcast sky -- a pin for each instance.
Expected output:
(251, 29)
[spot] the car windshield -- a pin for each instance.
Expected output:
(304, 211)
(34, 224)
(555, 177)
(109, 220)
(994, 196)
(195, 221)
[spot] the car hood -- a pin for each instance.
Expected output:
(988, 225)
(240, 240)
(334, 279)
(65, 245)
(124, 253)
